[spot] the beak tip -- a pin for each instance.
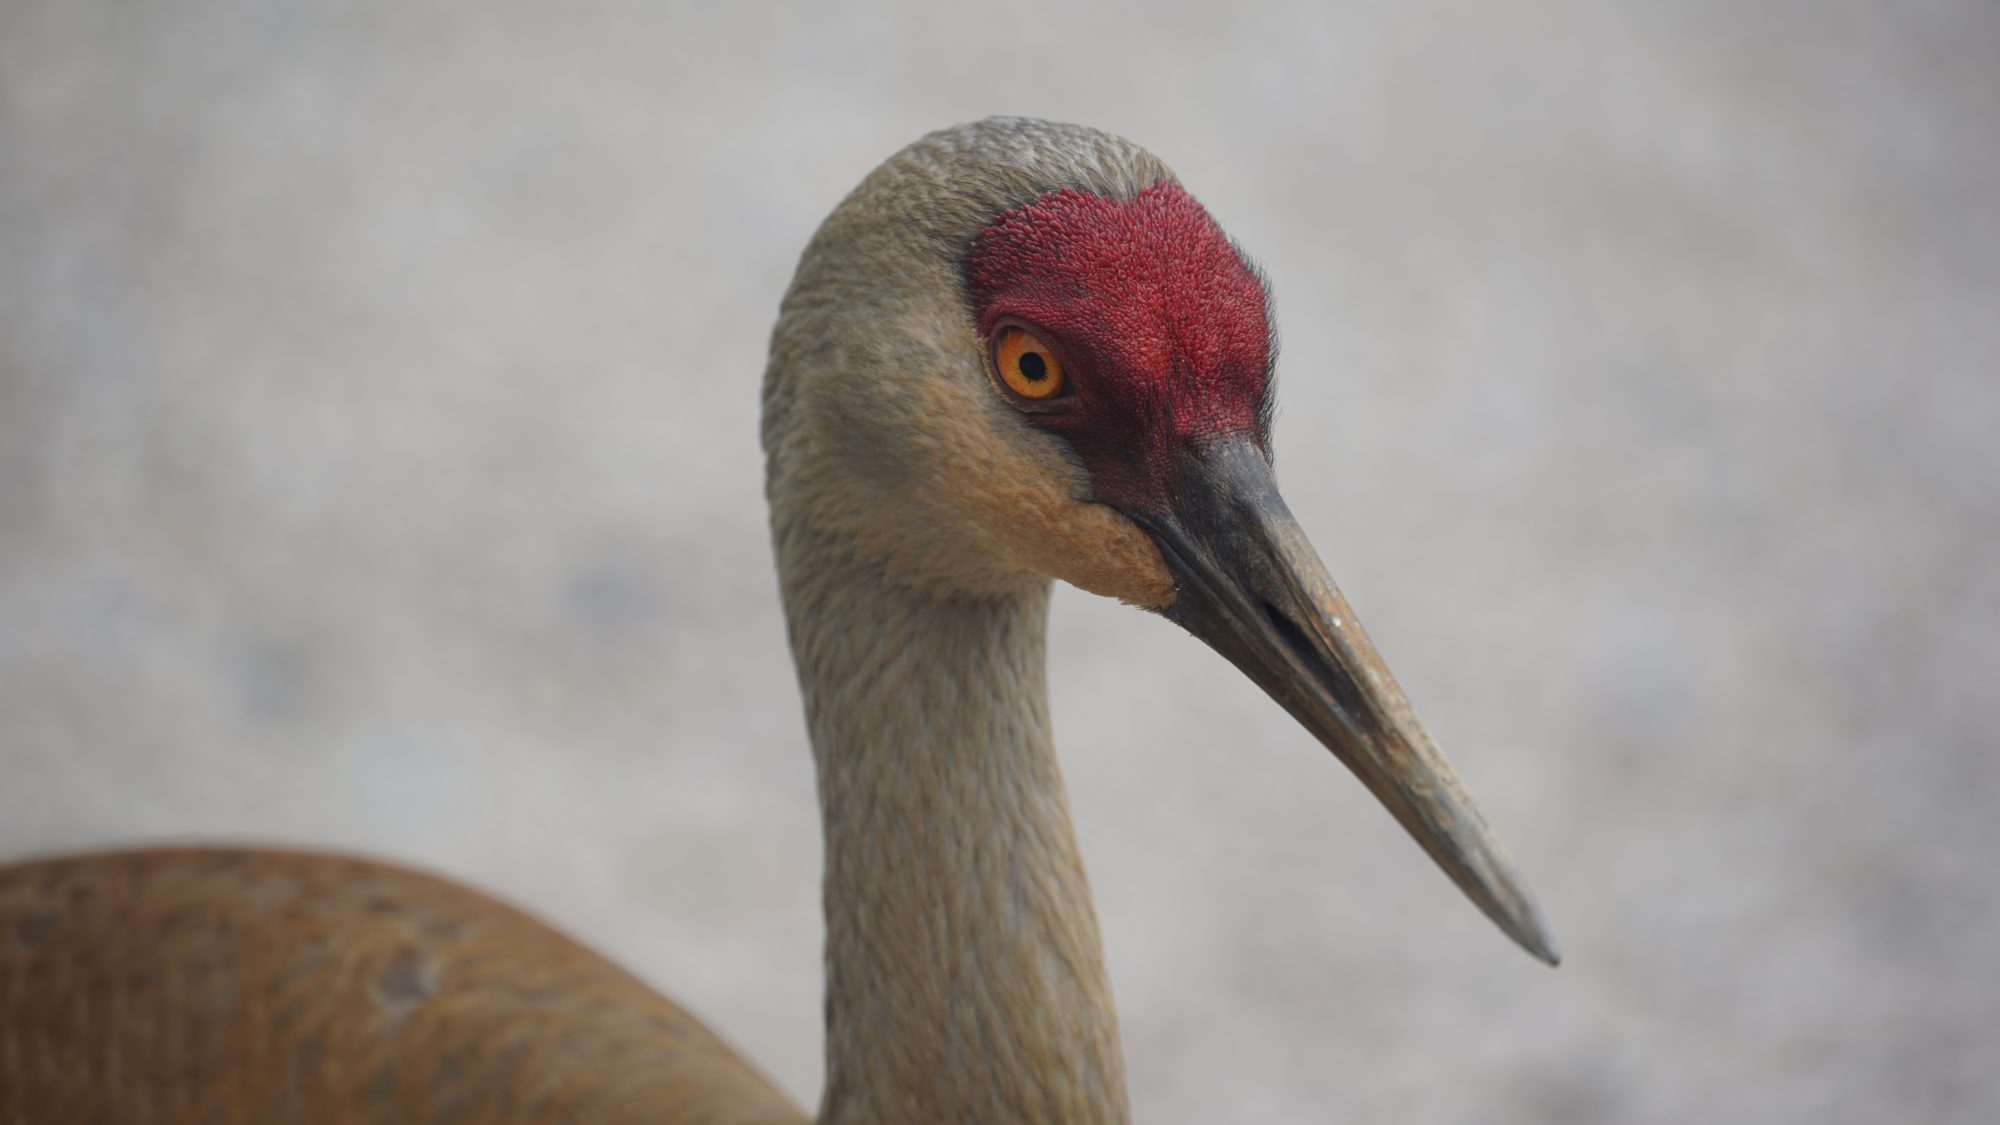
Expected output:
(1531, 933)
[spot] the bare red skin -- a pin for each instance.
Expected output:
(1160, 324)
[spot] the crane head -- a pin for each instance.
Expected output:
(1081, 365)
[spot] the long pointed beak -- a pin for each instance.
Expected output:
(1253, 589)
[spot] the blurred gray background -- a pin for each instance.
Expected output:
(378, 471)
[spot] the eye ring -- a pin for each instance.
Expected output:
(1026, 366)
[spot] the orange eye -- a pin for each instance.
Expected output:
(1027, 365)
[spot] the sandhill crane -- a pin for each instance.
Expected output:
(1018, 352)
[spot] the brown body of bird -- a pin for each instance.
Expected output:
(1018, 352)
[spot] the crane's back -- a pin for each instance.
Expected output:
(222, 986)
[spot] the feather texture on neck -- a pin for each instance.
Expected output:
(966, 979)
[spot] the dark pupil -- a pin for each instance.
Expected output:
(1033, 368)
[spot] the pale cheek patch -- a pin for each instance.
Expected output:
(1117, 559)
(1022, 497)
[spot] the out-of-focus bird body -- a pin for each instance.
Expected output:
(1017, 352)
(258, 987)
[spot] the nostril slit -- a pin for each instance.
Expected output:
(1289, 632)
(1329, 676)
